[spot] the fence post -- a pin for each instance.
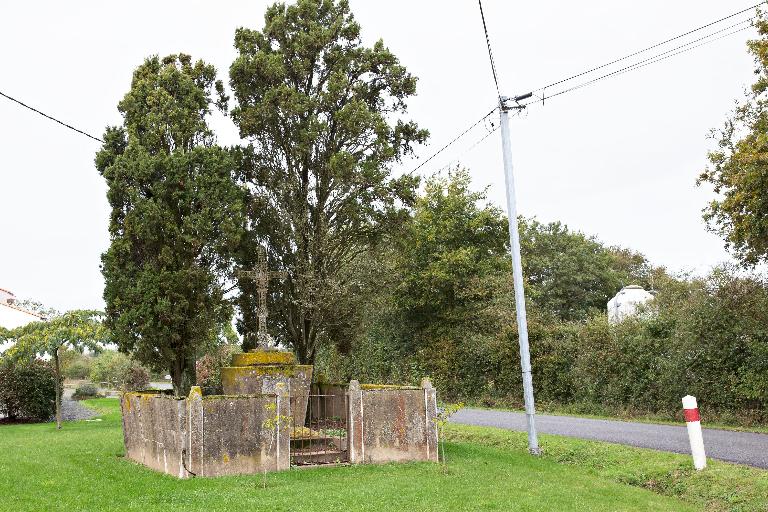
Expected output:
(430, 416)
(283, 429)
(355, 419)
(693, 422)
(195, 451)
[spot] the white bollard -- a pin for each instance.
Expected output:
(693, 422)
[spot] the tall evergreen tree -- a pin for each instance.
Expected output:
(322, 112)
(176, 217)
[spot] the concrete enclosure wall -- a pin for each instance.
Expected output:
(250, 380)
(390, 424)
(207, 436)
(155, 431)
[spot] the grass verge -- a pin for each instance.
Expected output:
(82, 468)
(720, 487)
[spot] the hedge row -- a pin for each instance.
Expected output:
(708, 339)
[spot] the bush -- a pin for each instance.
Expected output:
(706, 337)
(208, 368)
(27, 390)
(77, 370)
(119, 371)
(136, 378)
(84, 391)
(74, 364)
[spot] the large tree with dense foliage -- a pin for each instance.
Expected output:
(176, 217)
(451, 257)
(434, 295)
(571, 275)
(323, 113)
(77, 330)
(739, 167)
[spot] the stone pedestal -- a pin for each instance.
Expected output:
(259, 371)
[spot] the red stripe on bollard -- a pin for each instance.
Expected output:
(691, 415)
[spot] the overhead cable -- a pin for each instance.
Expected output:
(662, 43)
(51, 117)
(453, 141)
(490, 51)
(641, 64)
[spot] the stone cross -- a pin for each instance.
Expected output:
(261, 276)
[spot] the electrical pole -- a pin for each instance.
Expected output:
(517, 272)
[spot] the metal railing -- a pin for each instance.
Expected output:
(319, 429)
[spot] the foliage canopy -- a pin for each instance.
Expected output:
(322, 112)
(739, 167)
(176, 217)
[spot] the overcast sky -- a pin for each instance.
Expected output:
(617, 160)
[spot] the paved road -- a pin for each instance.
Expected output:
(740, 447)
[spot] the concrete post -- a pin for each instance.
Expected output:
(194, 452)
(693, 422)
(517, 274)
(430, 416)
(283, 430)
(355, 423)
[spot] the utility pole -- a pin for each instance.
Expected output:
(517, 273)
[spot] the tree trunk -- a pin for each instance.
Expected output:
(58, 387)
(183, 376)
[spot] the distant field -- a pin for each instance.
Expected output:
(82, 468)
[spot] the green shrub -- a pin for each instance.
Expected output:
(27, 390)
(705, 337)
(74, 365)
(77, 370)
(119, 371)
(208, 368)
(84, 391)
(136, 378)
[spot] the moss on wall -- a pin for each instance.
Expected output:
(263, 357)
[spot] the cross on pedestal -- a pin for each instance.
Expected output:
(261, 276)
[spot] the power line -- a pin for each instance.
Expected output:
(51, 118)
(482, 139)
(651, 60)
(498, 92)
(490, 52)
(637, 65)
(458, 158)
(650, 47)
(455, 139)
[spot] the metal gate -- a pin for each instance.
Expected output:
(322, 437)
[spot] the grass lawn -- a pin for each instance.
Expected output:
(82, 468)
(720, 487)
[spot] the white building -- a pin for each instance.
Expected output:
(627, 302)
(12, 316)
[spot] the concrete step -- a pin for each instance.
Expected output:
(319, 443)
(309, 457)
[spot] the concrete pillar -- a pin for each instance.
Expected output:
(194, 452)
(283, 430)
(430, 416)
(355, 423)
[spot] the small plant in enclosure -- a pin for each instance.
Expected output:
(335, 432)
(445, 412)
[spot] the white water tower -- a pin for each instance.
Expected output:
(626, 303)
